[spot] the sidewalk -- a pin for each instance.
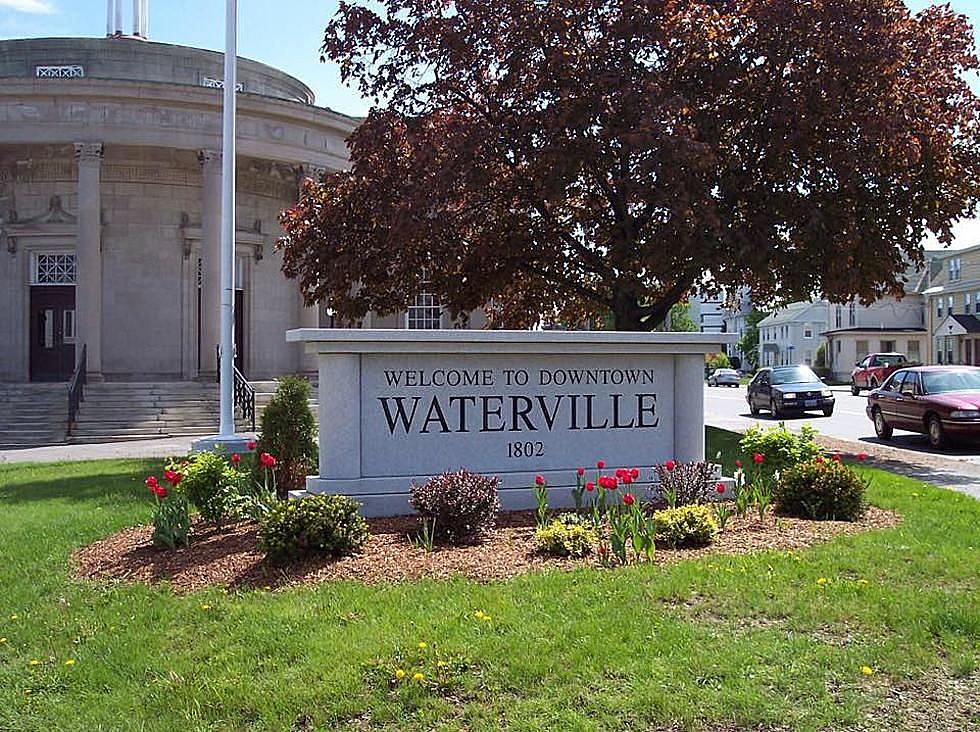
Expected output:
(164, 447)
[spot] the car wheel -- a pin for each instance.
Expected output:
(935, 432)
(828, 411)
(774, 409)
(882, 428)
(855, 389)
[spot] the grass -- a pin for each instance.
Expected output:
(745, 641)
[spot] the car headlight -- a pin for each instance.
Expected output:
(965, 413)
(791, 395)
(826, 393)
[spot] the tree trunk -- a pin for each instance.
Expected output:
(629, 315)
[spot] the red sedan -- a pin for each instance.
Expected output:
(943, 402)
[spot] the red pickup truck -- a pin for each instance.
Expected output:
(871, 372)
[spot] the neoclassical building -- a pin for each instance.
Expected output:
(110, 185)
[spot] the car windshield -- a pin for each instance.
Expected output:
(891, 359)
(793, 375)
(938, 382)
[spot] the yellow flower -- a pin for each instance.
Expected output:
(862, 581)
(14, 616)
(70, 662)
(35, 662)
(205, 606)
(821, 580)
(866, 670)
(479, 614)
(441, 664)
(2, 641)
(423, 645)
(487, 618)
(419, 676)
(400, 674)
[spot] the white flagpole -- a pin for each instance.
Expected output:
(227, 423)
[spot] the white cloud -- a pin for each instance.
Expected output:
(42, 7)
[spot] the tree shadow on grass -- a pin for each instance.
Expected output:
(124, 484)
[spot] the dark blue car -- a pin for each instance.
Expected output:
(787, 390)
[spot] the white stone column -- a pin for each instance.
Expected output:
(210, 335)
(688, 407)
(88, 255)
(340, 412)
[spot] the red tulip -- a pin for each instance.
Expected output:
(628, 499)
(267, 460)
(581, 472)
(601, 464)
(862, 456)
(818, 459)
(161, 491)
(634, 473)
(738, 464)
(720, 488)
(590, 486)
(627, 478)
(151, 483)
(835, 458)
(670, 465)
(757, 458)
(250, 444)
(236, 458)
(539, 480)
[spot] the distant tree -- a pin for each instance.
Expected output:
(748, 344)
(562, 160)
(717, 361)
(680, 318)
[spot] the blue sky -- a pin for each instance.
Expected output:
(283, 33)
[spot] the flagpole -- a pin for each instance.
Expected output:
(227, 421)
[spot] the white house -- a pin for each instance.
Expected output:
(792, 335)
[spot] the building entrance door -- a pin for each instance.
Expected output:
(52, 333)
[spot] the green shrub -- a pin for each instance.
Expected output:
(566, 536)
(685, 526)
(317, 524)
(822, 491)
(171, 522)
(780, 448)
(288, 431)
(214, 486)
(462, 504)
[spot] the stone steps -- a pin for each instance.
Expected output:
(32, 415)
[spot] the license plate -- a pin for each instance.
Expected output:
(811, 403)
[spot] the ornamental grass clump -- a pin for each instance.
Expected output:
(462, 505)
(682, 484)
(330, 525)
(567, 535)
(825, 490)
(685, 526)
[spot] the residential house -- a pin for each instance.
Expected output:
(792, 335)
(952, 307)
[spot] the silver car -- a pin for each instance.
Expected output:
(724, 377)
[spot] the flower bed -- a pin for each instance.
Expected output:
(230, 557)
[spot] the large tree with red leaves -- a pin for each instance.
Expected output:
(562, 159)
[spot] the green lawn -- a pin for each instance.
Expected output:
(737, 642)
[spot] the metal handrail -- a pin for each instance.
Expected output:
(76, 387)
(243, 393)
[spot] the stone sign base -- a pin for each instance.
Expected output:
(398, 407)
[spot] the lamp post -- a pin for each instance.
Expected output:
(226, 439)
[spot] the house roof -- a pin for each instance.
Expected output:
(797, 312)
(970, 323)
(859, 330)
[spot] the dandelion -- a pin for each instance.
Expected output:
(418, 676)
(479, 614)
(2, 641)
(70, 662)
(487, 618)
(205, 606)
(441, 664)
(867, 670)
(35, 662)
(423, 645)
(14, 616)
(821, 581)
(400, 674)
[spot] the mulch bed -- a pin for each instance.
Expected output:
(230, 557)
